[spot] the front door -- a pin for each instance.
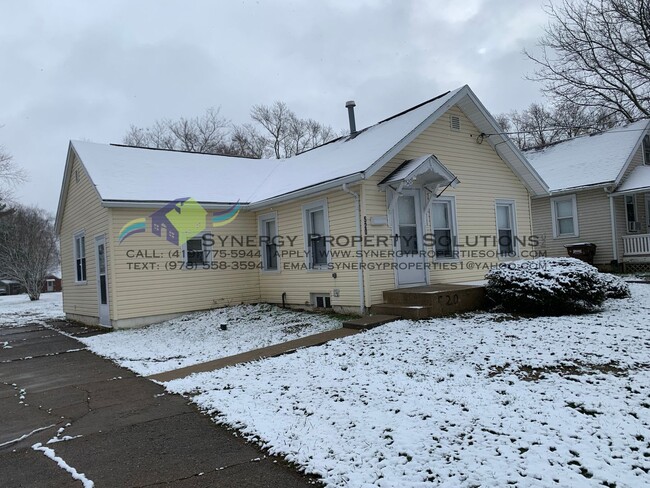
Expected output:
(409, 258)
(102, 281)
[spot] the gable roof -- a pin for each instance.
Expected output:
(591, 160)
(126, 175)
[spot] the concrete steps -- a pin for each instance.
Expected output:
(431, 301)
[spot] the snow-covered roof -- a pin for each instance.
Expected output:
(123, 173)
(588, 160)
(131, 175)
(413, 168)
(637, 180)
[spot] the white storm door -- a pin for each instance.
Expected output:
(407, 221)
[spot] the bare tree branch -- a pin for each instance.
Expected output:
(595, 54)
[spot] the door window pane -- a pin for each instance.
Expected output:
(408, 239)
(406, 210)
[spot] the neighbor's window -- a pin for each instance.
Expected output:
(565, 216)
(197, 252)
(269, 231)
(443, 218)
(80, 257)
(316, 230)
(506, 228)
(646, 150)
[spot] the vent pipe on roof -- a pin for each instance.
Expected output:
(350, 106)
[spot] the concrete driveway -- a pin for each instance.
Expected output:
(118, 429)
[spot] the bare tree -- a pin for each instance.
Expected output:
(10, 176)
(538, 125)
(208, 133)
(28, 248)
(596, 54)
(276, 132)
(287, 134)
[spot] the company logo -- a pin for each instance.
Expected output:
(179, 220)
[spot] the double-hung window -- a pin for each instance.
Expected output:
(506, 226)
(269, 235)
(80, 257)
(198, 253)
(443, 217)
(564, 212)
(316, 231)
(646, 150)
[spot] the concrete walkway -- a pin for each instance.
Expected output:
(118, 429)
(255, 354)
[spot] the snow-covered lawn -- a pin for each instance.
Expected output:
(479, 400)
(18, 310)
(197, 337)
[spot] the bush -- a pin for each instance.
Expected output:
(614, 286)
(547, 286)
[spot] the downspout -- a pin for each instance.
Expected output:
(357, 215)
(612, 218)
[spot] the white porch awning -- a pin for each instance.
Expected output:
(637, 181)
(426, 171)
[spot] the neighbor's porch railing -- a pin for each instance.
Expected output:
(637, 245)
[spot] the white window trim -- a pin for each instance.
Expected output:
(206, 249)
(305, 229)
(454, 228)
(636, 213)
(647, 210)
(556, 227)
(262, 219)
(515, 243)
(75, 236)
(645, 149)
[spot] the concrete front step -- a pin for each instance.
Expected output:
(369, 321)
(431, 301)
(414, 312)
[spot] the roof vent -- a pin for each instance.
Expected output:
(454, 122)
(350, 106)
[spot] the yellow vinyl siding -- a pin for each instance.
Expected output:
(299, 283)
(594, 224)
(484, 178)
(161, 290)
(82, 211)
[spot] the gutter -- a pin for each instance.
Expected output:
(357, 215)
(328, 185)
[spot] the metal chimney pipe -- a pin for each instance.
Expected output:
(350, 106)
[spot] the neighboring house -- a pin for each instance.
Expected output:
(438, 169)
(52, 283)
(600, 194)
(10, 287)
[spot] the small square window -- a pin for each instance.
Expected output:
(321, 300)
(197, 253)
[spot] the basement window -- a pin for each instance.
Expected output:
(197, 253)
(321, 300)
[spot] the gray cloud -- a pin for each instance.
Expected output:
(75, 69)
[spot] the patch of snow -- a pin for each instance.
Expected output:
(19, 310)
(587, 160)
(474, 400)
(197, 337)
(63, 465)
(25, 436)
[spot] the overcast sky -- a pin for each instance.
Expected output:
(88, 69)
